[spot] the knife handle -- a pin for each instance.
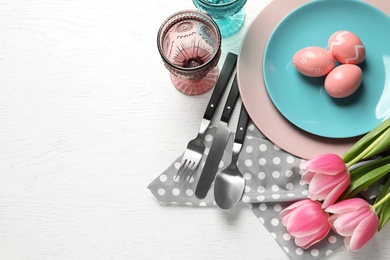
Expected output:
(231, 101)
(223, 79)
(241, 126)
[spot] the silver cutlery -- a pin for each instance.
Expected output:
(195, 148)
(218, 146)
(229, 183)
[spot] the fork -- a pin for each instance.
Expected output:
(195, 148)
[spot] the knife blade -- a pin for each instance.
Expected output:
(218, 146)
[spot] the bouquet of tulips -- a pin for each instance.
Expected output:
(334, 201)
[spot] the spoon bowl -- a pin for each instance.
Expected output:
(229, 183)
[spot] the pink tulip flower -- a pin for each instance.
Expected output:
(306, 222)
(354, 219)
(327, 176)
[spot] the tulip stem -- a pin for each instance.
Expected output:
(367, 150)
(383, 200)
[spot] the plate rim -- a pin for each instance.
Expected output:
(249, 89)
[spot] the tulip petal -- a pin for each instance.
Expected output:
(321, 181)
(346, 206)
(345, 218)
(346, 223)
(306, 222)
(364, 232)
(330, 164)
(286, 213)
(308, 241)
(332, 219)
(285, 218)
(295, 205)
(328, 187)
(337, 191)
(307, 176)
(321, 185)
(347, 242)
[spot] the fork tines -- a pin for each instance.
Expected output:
(186, 170)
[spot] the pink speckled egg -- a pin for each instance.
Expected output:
(346, 47)
(343, 80)
(313, 61)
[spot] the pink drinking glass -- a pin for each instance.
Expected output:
(189, 43)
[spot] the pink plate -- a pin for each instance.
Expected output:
(254, 93)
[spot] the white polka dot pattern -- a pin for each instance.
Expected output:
(274, 173)
(272, 182)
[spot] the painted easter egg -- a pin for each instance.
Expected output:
(313, 61)
(343, 80)
(346, 47)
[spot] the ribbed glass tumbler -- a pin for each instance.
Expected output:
(189, 43)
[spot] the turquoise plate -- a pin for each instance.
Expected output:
(303, 100)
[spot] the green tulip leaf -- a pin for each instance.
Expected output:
(385, 190)
(368, 166)
(366, 175)
(384, 216)
(368, 142)
(380, 145)
(383, 210)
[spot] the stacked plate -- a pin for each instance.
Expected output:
(294, 111)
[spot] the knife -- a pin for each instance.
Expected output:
(218, 146)
(223, 79)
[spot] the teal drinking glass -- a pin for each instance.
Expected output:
(228, 14)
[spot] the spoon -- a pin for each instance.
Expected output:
(229, 183)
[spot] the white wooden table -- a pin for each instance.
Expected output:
(88, 118)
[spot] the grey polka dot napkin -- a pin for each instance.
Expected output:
(272, 183)
(170, 191)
